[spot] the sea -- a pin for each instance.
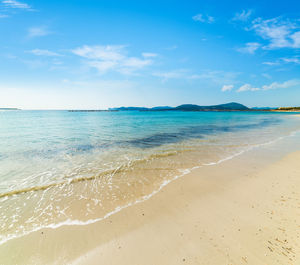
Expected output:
(75, 168)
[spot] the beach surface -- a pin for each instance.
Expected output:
(233, 218)
(243, 211)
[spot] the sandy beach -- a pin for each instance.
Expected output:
(242, 211)
(251, 220)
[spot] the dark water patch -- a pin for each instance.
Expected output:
(157, 140)
(84, 148)
(154, 140)
(193, 132)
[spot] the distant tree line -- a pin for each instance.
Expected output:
(289, 108)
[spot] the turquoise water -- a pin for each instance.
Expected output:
(60, 167)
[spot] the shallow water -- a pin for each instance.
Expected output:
(59, 167)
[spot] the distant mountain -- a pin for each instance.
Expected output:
(227, 107)
(162, 108)
(263, 108)
(233, 106)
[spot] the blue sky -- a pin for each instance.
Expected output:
(97, 54)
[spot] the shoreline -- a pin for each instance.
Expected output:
(77, 222)
(230, 224)
(143, 225)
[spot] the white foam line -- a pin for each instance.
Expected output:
(250, 148)
(144, 198)
(226, 158)
(91, 221)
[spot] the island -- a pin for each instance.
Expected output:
(9, 109)
(288, 109)
(233, 106)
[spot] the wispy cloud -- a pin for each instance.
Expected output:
(271, 63)
(104, 53)
(113, 58)
(227, 88)
(285, 60)
(274, 85)
(40, 52)
(106, 84)
(34, 64)
(16, 4)
(135, 62)
(242, 16)
(265, 75)
(287, 84)
(171, 48)
(174, 74)
(247, 87)
(38, 32)
(102, 66)
(149, 54)
(9, 7)
(218, 77)
(250, 47)
(294, 60)
(281, 33)
(203, 18)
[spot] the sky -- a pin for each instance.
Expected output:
(88, 54)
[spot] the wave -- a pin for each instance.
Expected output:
(71, 222)
(69, 180)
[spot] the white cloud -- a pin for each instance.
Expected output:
(250, 47)
(219, 77)
(181, 73)
(227, 88)
(274, 85)
(199, 18)
(291, 60)
(105, 53)
(149, 54)
(243, 16)
(203, 18)
(280, 33)
(102, 66)
(136, 62)
(195, 76)
(294, 60)
(107, 84)
(247, 87)
(57, 62)
(38, 32)
(271, 63)
(16, 4)
(277, 85)
(266, 75)
(113, 58)
(210, 19)
(296, 39)
(171, 48)
(34, 64)
(40, 52)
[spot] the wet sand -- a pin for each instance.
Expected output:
(243, 211)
